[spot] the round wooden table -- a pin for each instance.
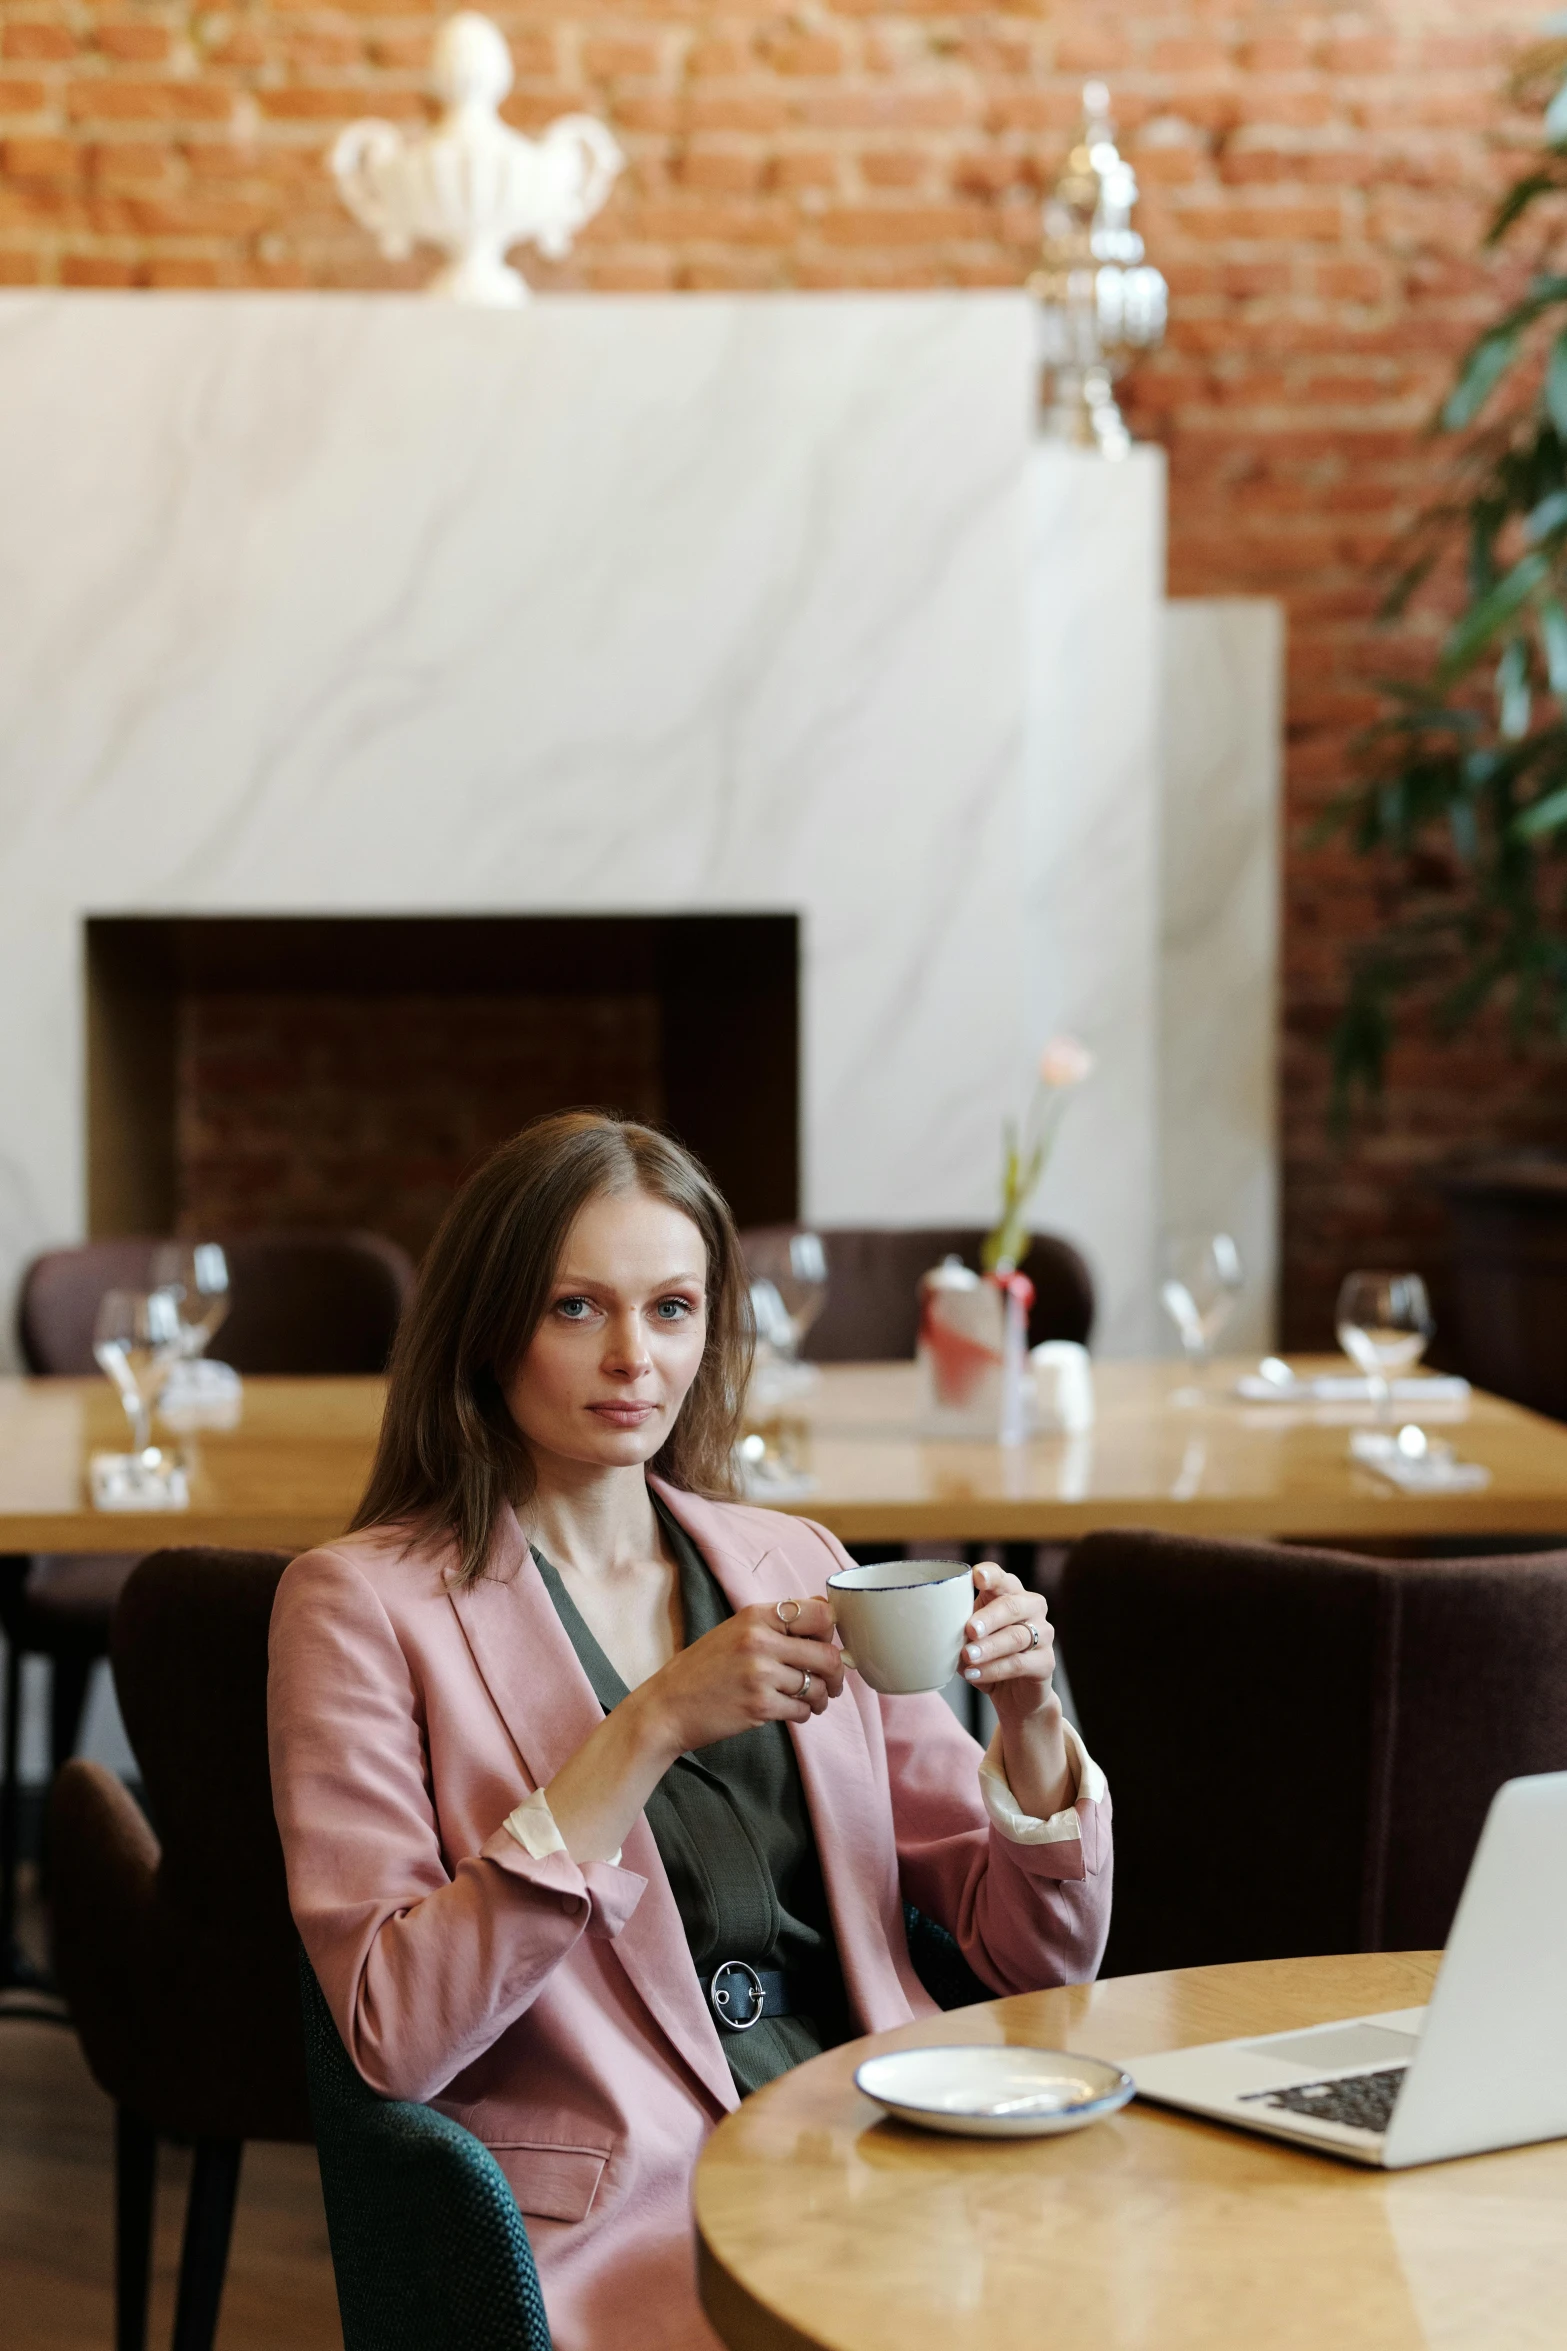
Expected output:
(823, 2225)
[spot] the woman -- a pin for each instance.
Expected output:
(558, 1731)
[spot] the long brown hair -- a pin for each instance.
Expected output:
(450, 1456)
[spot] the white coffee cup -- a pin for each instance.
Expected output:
(901, 1621)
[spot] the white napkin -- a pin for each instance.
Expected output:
(765, 1475)
(1432, 1472)
(122, 1481)
(761, 1484)
(1351, 1388)
(778, 1385)
(201, 1395)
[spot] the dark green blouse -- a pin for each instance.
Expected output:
(733, 1832)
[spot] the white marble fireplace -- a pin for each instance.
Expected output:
(340, 604)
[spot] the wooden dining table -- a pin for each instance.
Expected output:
(824, 2226)
(290, 1473)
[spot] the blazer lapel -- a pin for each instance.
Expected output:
(525, 1659)
(845, 1791)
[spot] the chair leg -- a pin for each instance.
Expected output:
(69, 1678)
(67, 1705)
(209, 2221)
(10, 1797)
(135, 2176)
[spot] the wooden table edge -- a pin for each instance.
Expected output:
(738, 2317)
(140, 1531)
(1243, 1517)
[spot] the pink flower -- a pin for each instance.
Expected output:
(1064, 1062)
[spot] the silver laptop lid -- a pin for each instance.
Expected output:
(1492, 2067)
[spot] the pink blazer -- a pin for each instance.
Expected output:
(552, 2009)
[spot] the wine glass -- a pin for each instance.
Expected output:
(136, 1340)
(1384, 1323)
(771, 1318)
(1201, 1278)
(788, 1287)
(196, 1274)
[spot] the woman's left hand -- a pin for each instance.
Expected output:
(1009, 1652)
(1009, 1645)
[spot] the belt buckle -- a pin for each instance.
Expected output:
(721, 1994)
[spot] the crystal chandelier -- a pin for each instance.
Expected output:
(1100, 303)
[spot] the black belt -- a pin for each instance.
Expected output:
(740, 1995)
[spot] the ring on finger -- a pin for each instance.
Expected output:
(1033, 1636)
(806, 1680)
(778, 1611)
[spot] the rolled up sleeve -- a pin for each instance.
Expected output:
(1065, 1830)
(611, 1893)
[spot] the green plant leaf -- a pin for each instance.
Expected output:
(1486, 517)
(1521, 196)
(1361, 1042)
(1514, 702)
(1483, 370)
(1407, 582)
(1551, 513)
(1544, 816)
(1483, 620)
(1553, 636)
(1556, 379)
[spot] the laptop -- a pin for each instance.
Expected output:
(1484, 2065)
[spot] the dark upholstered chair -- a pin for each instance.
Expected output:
(872, 1309)
(299, 1302)
(1301, 1745)
(173, 1943)
(428, 2248)
(939, 1962)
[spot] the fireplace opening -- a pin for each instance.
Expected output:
(247, 1072)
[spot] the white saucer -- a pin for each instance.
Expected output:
(990, 2093)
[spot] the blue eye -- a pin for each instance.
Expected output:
(572, 1308)
(673, 1309)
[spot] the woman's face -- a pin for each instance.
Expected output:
(606, 1372)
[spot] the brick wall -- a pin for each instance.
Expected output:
(1314, 185)
(335, 1110)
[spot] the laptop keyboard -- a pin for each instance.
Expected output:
(1363, 2100)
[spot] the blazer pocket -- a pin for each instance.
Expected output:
(550, 2182)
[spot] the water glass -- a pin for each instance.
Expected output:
(1385, 1324)
(136, 1341)
(196, 1274)
(1201, 1278)
(788, 1287)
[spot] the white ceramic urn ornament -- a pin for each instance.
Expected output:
(470, 184)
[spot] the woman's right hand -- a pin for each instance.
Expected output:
(751, 1669)
(746, 1671)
